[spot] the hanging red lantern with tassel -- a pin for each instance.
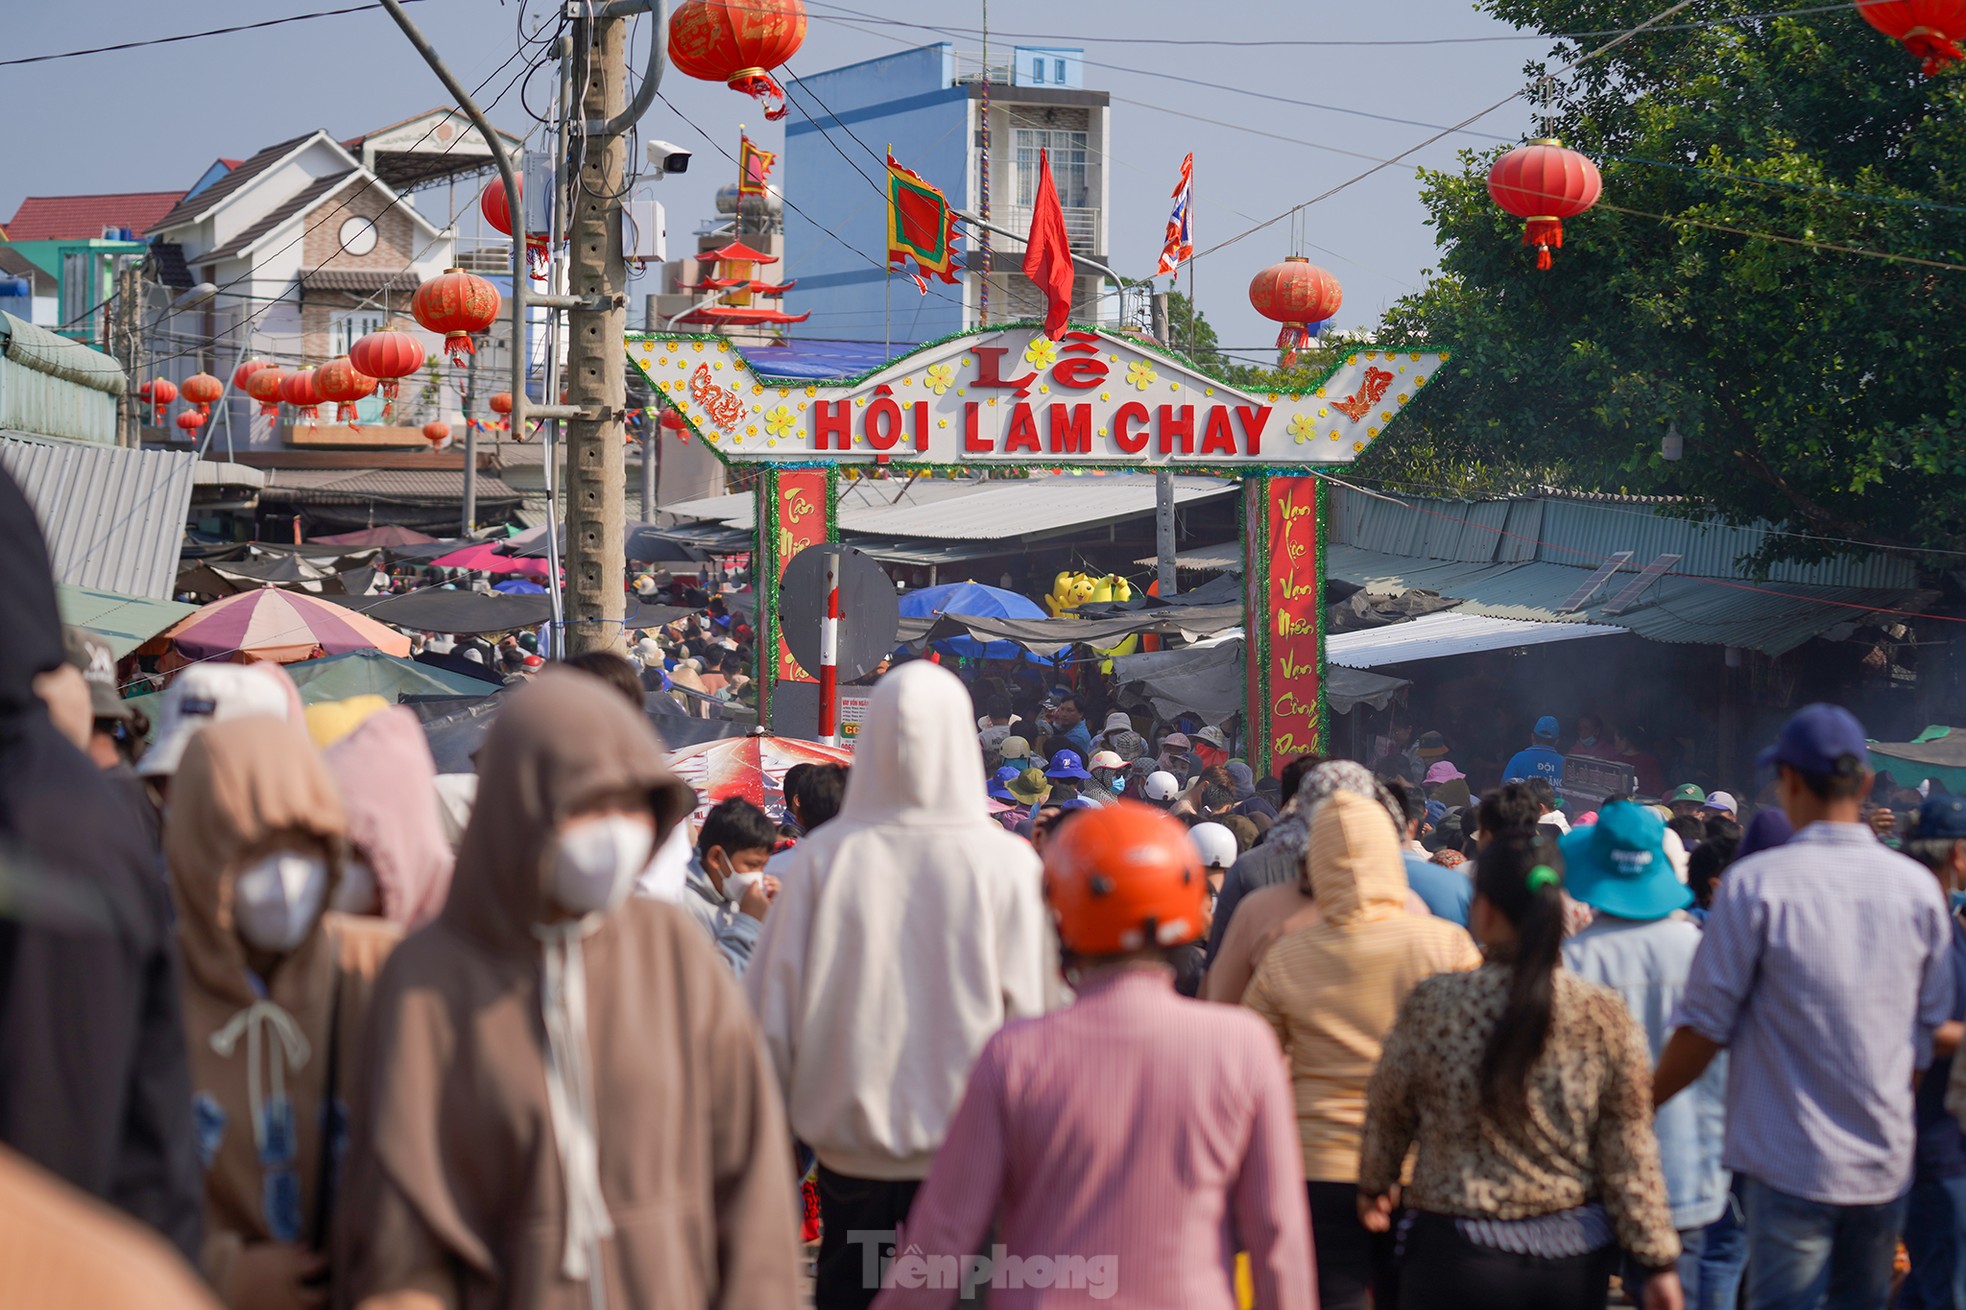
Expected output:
(387, 356)
(298, 390)
(159, 392)
(738, 42)
(1930, 29)
(243, 374)
(340, 384)
(492, 205)
(1299, 295)
(436, 433)
(454, 306)
(1544, 183)
(189, 422)
(501, 405)
(201, 389)
(264, 386)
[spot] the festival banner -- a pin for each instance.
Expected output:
(801, 505)
(1295, 614)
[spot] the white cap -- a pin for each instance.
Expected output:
(210, 693)
(1105, 760)
(1721, 802)
(1216, 844)
(1161, 786)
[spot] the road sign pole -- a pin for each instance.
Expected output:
(829, 656)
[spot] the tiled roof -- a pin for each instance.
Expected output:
(15, 264)
(360, 280)
(247, 169)
(418, 486)
(83, 218)
(299, 203)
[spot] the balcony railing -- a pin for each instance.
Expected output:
(970, 67)
(1082, 229)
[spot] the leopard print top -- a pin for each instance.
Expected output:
(1588, 1135)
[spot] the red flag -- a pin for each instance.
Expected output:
(1048, 254)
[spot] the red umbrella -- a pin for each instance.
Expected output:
(751, 767)
(484, 558)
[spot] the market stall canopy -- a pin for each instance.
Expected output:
(485, 557)
(1208, 679)
(289, 572)
(647, 543)
(279, 626)
(1451, 632)
(1938, 753)
(1047, 636)
(389, 534)
(125, 622)
(370, 672)
(465, 613)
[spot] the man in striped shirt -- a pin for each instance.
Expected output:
(1824, 973)
(1125, 1148)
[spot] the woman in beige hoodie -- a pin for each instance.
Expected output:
(1331, 991)
(568, 1105)
(275, 995)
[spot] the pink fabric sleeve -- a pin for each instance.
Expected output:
(1268, 1202)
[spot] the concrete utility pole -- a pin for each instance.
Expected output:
(596, 364)
(1163, 478)
(129, 293)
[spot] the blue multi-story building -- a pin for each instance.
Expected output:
(927, 105)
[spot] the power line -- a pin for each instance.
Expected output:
(192, 36)
(1806, 242)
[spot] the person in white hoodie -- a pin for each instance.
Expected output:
(906, 931)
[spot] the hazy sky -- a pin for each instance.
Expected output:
(155, 118)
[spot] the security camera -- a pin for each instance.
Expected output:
(666, 157)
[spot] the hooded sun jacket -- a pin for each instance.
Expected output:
(905, 932)
(456, 1173)
(269, 1043)
(1332, 990)
(93, 1082)
(388, 785)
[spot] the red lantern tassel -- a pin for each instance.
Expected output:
(158, 420)
(1546, 234)
(388, 389)
(269, 409)
(310, 413)
(1933, 49)
(457, 345)
(760, 86)
(539, 258)
(1293, 338)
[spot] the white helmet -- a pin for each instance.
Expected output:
(1161, 786)
(1216, 844)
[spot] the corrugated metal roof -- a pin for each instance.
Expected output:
(737, 508)
(1434, 636)
(1225, 557)
(413, 486)
(114, 518)
(1585, 533)
(47, 352)
(1773, 618)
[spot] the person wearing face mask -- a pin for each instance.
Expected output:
(399, 864)
(275, 993)
(727, 890)
(567, 1104)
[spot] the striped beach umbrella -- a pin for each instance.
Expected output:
(283, 627)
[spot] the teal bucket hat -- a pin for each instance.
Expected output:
(1619, 865)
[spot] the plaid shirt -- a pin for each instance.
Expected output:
(1823, 971)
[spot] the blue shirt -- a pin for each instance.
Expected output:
(1941, 1144)
(1648, 964)
(1535, 762)
(1081, 740)
(1447, 892)
(1824, 969)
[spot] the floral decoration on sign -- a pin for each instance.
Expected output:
(1140, 374)
(939, 378)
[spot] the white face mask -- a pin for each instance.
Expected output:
(596, 860)
(357, 892)
(736, 884)
(277, 898)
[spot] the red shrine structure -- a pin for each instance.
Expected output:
(740, 304)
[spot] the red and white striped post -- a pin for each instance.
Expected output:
(829, 655)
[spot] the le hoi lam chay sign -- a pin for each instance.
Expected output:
(1013, 396)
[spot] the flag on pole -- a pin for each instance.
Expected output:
(920, 226)
(1048, 252)
(753, 168)
(1180, 244)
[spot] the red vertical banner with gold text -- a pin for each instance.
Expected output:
(1294, 668)
(802, 506)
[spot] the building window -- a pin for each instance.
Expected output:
(347, 326)
(1068, 165)
(1058, 71)
(1037, 70)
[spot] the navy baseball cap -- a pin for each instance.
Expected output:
(1942, 818)
(1067, 764)
(1546, 726)
(1815, 738)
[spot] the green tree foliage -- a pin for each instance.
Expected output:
(1816, 387)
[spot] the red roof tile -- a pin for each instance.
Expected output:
(82, 218)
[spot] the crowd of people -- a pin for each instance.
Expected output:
(1040, 1001)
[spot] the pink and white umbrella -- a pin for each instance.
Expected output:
(283, 627)
(751, 767)
(485, 558)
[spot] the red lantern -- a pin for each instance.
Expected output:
(189, 422)
(245, 371)
(201, 389)
(1545, 184)
(338, 382)
(501, 404)
(1930, 29)
(492, 206)
(1299, 295)
(436, 433)
(738, 42)
(160, 392)
(454, 306)
(264, 386)
(298, 390)
(387, 356)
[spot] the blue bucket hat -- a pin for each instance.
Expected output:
(1067, 764)
(1000, 781)
(1619, 865)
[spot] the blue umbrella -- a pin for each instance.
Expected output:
(519, 587)
(978, 601)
